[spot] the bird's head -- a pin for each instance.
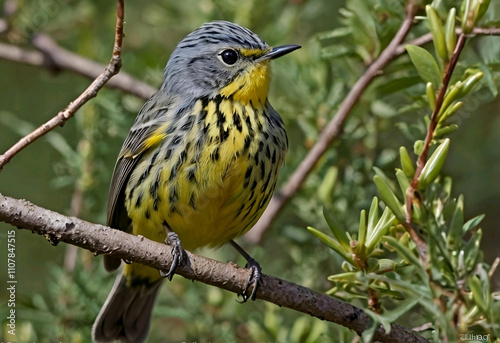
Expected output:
(222, 58)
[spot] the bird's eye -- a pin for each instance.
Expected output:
(229, 56)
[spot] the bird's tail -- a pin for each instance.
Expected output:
(126, 314)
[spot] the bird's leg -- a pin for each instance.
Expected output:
(179, 255)
(254, 279)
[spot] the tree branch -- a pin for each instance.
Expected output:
(55, 58)
(112, 69)
(332, 130)
(104, 240)
(427, 38)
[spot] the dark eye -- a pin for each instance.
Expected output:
(229, 56)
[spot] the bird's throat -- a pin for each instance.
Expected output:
(251, 85)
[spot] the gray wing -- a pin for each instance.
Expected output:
(150, 118)
(131, 153)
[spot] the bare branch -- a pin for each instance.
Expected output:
(486, 31)
(427, 38)
(104, 240)
(112, 69)
(332, 130)
(56, 58)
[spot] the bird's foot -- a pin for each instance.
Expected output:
(178, 253)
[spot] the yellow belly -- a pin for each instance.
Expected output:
(206, 214)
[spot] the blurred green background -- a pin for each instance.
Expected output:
(56, 305)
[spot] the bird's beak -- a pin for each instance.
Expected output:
(278, 52)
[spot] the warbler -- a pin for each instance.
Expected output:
(199, 164)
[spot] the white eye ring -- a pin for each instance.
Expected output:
(229, 56)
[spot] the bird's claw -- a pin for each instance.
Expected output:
(179, 255)
(254, 280)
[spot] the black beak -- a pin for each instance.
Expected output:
(278, 52)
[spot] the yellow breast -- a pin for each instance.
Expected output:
(213, 185)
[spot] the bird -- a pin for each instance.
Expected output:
(198, 167)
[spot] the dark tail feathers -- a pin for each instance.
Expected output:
(126, 314)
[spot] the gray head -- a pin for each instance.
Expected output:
(217, 55)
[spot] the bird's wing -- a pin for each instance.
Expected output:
(140, 139)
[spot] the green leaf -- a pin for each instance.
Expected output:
(472, 223)
(403, 181)
(473, 12)
(418, 147)
(339, 234)
(450, 34)
(403, 251)
(470, 83)
(472, 250)
(333, 244)
(346, 277)
(434, 165)
(373, 219)
(467, 21)
(452, 94)
(446, 130)
(451, 110)
(406, 162)
(479, 297)
(436, 27)
(389, 198)
(380, 229)
(387, 180)
(373, 214)
(383, 265)
(456, 224)
(425, 64)
(362, 231)
(430, 92)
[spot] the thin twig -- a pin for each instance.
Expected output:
(427, 38)
(112, 69)
(55, 58)
(104, 240)
(332, 130)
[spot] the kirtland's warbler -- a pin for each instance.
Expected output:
(200, 164)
